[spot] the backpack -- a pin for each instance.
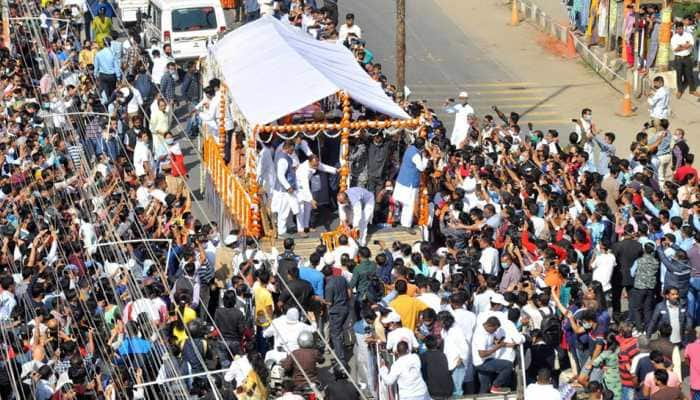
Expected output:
(551, 329)
(375, 287)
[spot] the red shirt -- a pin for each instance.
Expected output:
(685, 170)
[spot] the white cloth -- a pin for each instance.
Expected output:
(407, 195)
(398, 335)
(142, 154)
(466, 320)
(406, 372)
(482, 301)
(482, 340)
(603, 266)
(677, 40)
(431, 300)
(461, 126)
(265, 170)
(286, 332)
(345, 30)
(313, 70)
(359, 210)
(350, 249)
(304, 174)
(658, 103)
(490, 261)
(537, 391)
(160, 65)
(456, 347)
(215, 108)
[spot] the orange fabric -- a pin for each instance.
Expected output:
(177, 165)
(553, 278)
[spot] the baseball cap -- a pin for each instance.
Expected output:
(392, 317)
(328, 259)
(463, 95)
(498, 298)
(230, 239)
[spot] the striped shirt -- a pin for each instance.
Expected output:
(76, 151)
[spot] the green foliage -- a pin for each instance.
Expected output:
(683, 8)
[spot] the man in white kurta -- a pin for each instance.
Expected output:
(284, 200)
(143, 158)
(408, 181)
(308, 182)
(357, 205)
(265, 170)
(461, 110)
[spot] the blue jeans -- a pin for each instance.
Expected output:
(458, 380)
(694, 297)
(501, 369)
(628, 393)
(694, 394)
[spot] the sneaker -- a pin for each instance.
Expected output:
(499, 390)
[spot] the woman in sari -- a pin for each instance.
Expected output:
(101, 27)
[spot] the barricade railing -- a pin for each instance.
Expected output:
(226, 192)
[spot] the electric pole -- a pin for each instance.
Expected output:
(400, 47)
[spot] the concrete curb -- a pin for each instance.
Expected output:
(606, 64)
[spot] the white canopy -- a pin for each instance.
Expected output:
(273, 69)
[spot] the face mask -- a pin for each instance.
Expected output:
(169, 141)
(588, 117)
(587, 325)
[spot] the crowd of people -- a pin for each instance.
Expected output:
(566, 265)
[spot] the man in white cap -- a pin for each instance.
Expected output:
(397, 333)
(286, 329)
(462, 110)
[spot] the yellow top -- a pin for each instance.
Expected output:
(181, 334)
(263, 300)
(409, 309)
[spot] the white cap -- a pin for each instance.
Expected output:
(392, 317)
(328, 259)
(230, 239)
(498, 298)
(293, 315)
(463, 95)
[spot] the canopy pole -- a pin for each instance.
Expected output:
(345, 141)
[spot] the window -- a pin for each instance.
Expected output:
(194, 19)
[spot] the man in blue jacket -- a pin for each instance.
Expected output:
(671, 311)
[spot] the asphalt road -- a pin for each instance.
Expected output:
(441, 61)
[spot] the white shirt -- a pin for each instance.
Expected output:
(265, 169)
(281, 172)
(431, 300)
(215, 108)
(7, 304)
(489, 261)
(456, 347)
(482, 301)
(658, 103)
(359, 199)
(406, 373)
(538, 224)
(286, 332)
(536, 391)
(141, 154)
(350, 249)
(304, 175)
(398, 335)
(603, 268)
(483, 340)
(461, 126)
(135, 102)
(345, 30)
(677, 40)
(466, 320)
(160, 65)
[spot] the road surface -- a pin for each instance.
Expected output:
(441, 61)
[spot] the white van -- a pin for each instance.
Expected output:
(127, 10)
(186, 24)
